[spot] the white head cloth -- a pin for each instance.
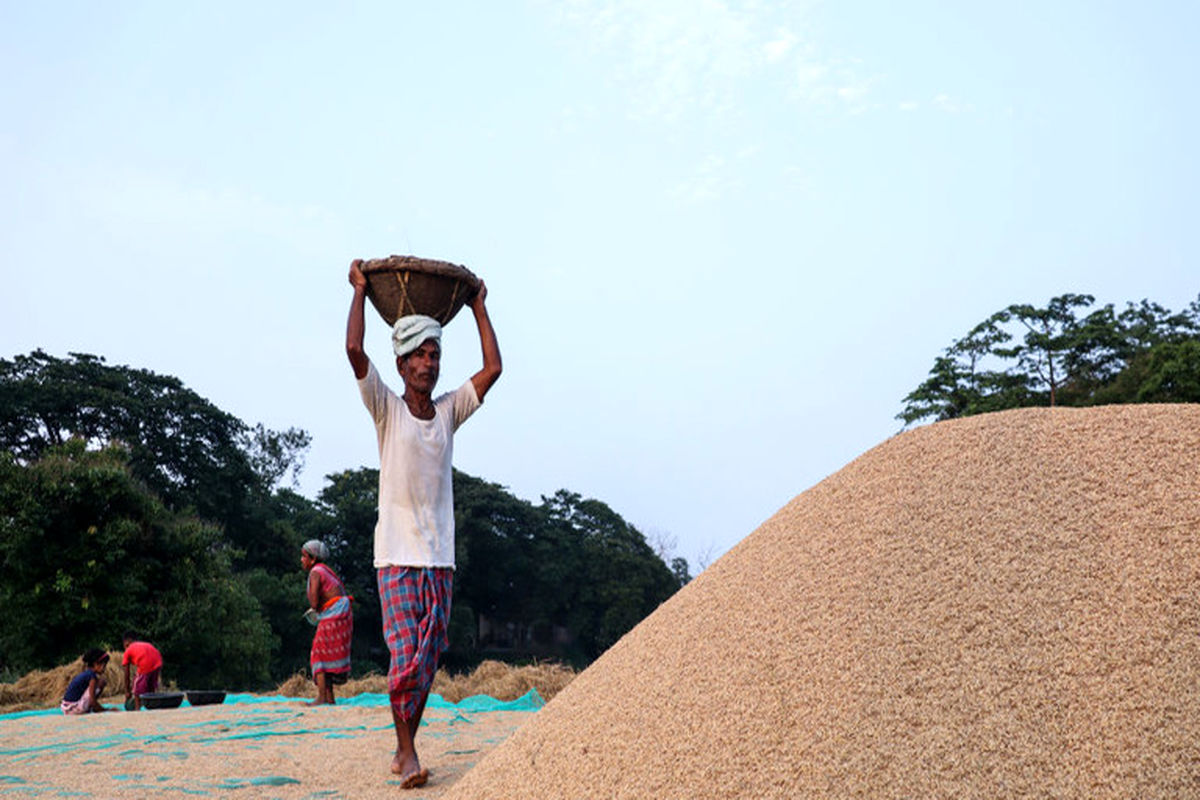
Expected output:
(317, 549)
(410, 332)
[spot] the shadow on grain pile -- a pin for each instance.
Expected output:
(995, 606)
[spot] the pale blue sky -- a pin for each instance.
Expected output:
(722, 240)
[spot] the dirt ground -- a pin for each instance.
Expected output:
(246, 750)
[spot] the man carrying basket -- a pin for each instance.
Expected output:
(414, 533)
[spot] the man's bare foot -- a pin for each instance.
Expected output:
(419, 778)
(410, 771)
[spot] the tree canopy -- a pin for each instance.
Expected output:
(87, 551)
(188, 452)
(1064, 354)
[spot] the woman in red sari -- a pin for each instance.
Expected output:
(329, 610)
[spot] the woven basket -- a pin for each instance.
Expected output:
(403, 285)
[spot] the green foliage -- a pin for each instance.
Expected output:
(495, 559)
(1051, 333)
(1171, 374)
(191, 454)
(282, 601)
(1028, 356)
(180, 445)
(679, 569)
(569, 563)
(87, 551)
(273, 454)
(349, 502)
(214, 633)
(620, 581)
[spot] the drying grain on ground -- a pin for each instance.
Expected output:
(264, 746)
(998, 606)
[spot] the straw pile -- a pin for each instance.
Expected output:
(503, 681)
(492, 678)
(998, 606)
(45, 688)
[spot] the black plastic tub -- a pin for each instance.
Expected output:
(205, 697)
(162, 700)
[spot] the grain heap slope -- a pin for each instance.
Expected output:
(996, 606)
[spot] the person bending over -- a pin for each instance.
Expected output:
(146, 659)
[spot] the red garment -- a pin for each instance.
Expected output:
(415, 603)
(328, 583)
(144, 656)
(331, 642)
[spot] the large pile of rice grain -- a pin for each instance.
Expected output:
(999, 606)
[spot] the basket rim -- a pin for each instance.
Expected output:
(431, 266)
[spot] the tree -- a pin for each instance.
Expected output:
(1050, 335)
(1098, 351)
(273, 454)
(190, 453)
(1052, 356)
(1171, 374)
(961, 382)
(679, 568)
(180, 445)
(496, 573)
(87, 551)
(622, 580)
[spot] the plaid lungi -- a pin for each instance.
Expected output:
(331, 643)
(416, 616)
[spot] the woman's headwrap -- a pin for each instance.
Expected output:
(316, 548)
(410, 332)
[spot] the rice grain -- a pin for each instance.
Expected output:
(1003, 605)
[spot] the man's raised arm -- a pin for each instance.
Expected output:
(356, 323)
(492, 366)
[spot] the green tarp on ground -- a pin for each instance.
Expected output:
(530, 701)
